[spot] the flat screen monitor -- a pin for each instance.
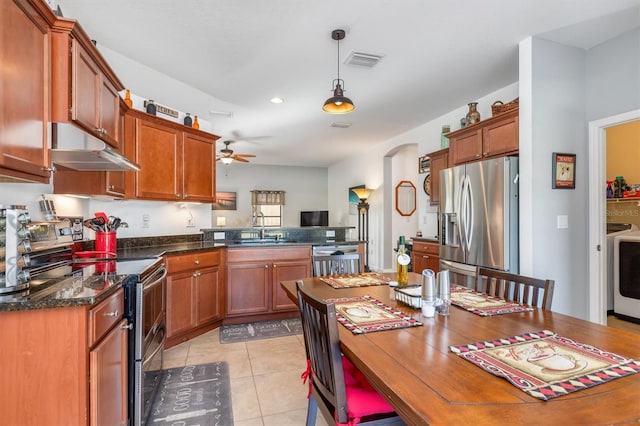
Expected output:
(314, 218)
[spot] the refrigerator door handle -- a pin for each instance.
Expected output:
(469, 224)
(462, 215)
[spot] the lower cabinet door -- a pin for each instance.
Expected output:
(108, 378)
(180, 308)
(287, 271)
(210, 295)
(247, 288)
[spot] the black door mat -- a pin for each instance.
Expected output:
(193, 395)
(260, 330)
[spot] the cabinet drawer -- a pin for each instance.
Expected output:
(424, 247)
(268, 254)
(105, 315)
(186, 262)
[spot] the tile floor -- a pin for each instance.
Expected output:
(266, 389)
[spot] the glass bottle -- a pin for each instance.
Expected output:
(473, 116)
(609, 189)
(403, 261)
(188, 121)
(151, 107)
(444, 140)
(196, 125)
(127, 98)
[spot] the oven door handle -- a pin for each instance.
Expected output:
(150, 285)
(160, 347)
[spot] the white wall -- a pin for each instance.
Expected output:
(305, 187)
(557, 112)
(613, 76)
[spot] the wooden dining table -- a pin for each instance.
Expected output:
(426, 383)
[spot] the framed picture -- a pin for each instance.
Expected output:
(563, 171)
(424, 164)
(225, 201)
(354, 200)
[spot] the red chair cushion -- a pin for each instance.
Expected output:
(362, 398)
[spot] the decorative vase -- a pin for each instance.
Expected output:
(127, 98)
(473, 116)
(151, 107)
(188, 121)
(196, 125)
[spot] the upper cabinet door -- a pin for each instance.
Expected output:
(159, 154)
(199, 172)
(24, 90)
(85, 88)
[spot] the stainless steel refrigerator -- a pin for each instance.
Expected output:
(479, 215)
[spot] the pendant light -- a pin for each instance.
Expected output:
(338, 103)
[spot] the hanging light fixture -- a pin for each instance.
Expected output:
(227, 160)
(338, 104)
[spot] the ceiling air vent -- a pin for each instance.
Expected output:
(363, 59)
(340, 125)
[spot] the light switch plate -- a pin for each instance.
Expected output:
(563, 221)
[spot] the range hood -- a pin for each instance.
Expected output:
(76, 149)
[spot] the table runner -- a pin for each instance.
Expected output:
(357, 280)
(364, 314)
(484, 305)
(546, 365)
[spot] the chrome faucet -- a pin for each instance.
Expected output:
(261, 215)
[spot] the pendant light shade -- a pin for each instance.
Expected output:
(338, 103)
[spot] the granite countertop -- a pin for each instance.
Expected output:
(426, 239)
(167, 249)
(64, 292)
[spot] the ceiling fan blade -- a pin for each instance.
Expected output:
(242, 160)
(245, 155)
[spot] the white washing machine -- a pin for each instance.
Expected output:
(626, 275)
(613, 230)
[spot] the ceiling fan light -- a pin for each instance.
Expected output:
(226, 160)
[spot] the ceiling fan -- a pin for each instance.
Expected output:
(227, 156)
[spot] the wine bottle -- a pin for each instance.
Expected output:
(403, 261)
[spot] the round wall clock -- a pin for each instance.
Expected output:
(427, 185)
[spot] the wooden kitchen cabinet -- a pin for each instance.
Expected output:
(25, 90)
(177, 162)
(496, 136)
(254, 276)
(195, 294)
(85, 88)
(439, 161)
(68, 365)
(425, 255)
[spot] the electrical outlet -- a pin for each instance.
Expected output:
(145, 220)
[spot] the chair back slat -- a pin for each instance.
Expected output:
(337, 264)
(514, 287)
(322, 343)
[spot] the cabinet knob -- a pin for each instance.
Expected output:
(478, 155)
(112, 187)
(197, 262)
(51, 169)
(425, 257)
(196, 274)
(484, 154)
(128, 326)
(275, 266)
(186, 195)
(177, 195)
(266, 266)
(112, 314)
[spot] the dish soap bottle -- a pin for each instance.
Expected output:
(403, 261)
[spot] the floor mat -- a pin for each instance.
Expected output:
(260, 330)
(193, 395)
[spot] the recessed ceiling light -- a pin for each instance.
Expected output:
(277, 100)
(340, 125)
(223, 113)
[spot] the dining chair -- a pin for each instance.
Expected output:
(336, 386)
(517, 288)
(337, 264)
